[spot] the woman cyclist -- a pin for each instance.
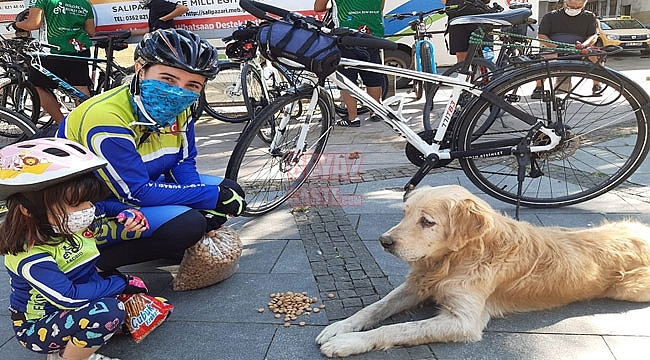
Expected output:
(145, 131)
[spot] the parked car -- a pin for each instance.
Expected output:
(625, 32)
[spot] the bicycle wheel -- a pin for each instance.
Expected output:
(253, 90)
(256, 98)
(270, 175)
(430, 89)
(27, 102)
(224, 98)
(604, 135)
(14, 127)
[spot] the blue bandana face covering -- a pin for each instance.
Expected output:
(163, 102)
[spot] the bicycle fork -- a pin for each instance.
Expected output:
(293, 156)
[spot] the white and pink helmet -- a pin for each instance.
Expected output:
(36, 164)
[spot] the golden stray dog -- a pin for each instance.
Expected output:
(476, 264)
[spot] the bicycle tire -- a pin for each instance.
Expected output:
(607, 136)
(271, 177)
(14, 127)
(253, 90)
(430, 89)
(220, 95)
(27, 102)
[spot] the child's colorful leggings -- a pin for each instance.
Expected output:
(88, 326)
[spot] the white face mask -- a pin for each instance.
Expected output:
(79, 220)
(572, 12)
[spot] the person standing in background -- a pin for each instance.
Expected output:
(162, 13)
(70, 25)
(571, 23)
(367, 17)
(459, 34)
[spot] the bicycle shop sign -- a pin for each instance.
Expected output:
(209, 18)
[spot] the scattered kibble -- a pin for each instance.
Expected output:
(330, 295)
(289, 305)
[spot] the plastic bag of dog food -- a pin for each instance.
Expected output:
(211, 260)
(144, 313)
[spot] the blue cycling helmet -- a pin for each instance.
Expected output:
(178, 48)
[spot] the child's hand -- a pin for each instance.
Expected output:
(133, 220)
(134, 285)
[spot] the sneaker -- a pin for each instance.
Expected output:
(94, 356)
(97, 356)
(375, 118)
(597, 90)
(537, 93)
(354, 123)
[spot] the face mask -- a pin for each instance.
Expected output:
(78, 220)
(164, 102)
(572, 12)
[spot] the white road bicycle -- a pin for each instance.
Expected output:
(564, 148)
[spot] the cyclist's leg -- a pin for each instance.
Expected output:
(374, 82)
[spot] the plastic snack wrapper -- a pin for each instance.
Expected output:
(144, 313)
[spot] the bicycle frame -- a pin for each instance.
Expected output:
(66, 88)
(397, 122)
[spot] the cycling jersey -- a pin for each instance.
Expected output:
(65, 24)
(47, 278)
(365, 16)
(144, 168)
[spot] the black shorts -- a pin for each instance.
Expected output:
(459, 37)
(74, 71)
(370, 79)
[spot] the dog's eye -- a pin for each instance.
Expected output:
(426, 222)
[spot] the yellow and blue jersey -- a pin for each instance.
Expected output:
(46, 278)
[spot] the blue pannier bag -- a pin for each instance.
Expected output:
(298, 47)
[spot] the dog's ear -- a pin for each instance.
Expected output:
(468, 220)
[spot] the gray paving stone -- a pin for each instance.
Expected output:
(509, 346)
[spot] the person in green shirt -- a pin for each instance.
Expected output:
(70, 25)
(366, 16)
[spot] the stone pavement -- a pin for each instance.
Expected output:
(324, 250)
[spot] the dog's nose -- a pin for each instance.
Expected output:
(386, 241)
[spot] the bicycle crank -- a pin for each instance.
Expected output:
(417, 158)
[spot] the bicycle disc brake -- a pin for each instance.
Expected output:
(416, 157)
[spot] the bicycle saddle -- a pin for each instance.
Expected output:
(118, 38)
(506, 18)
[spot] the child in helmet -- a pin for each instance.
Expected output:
(60, 305)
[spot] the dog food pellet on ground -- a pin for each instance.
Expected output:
(291, 305)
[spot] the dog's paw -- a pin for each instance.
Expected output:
(334, 329)
(346, 344)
